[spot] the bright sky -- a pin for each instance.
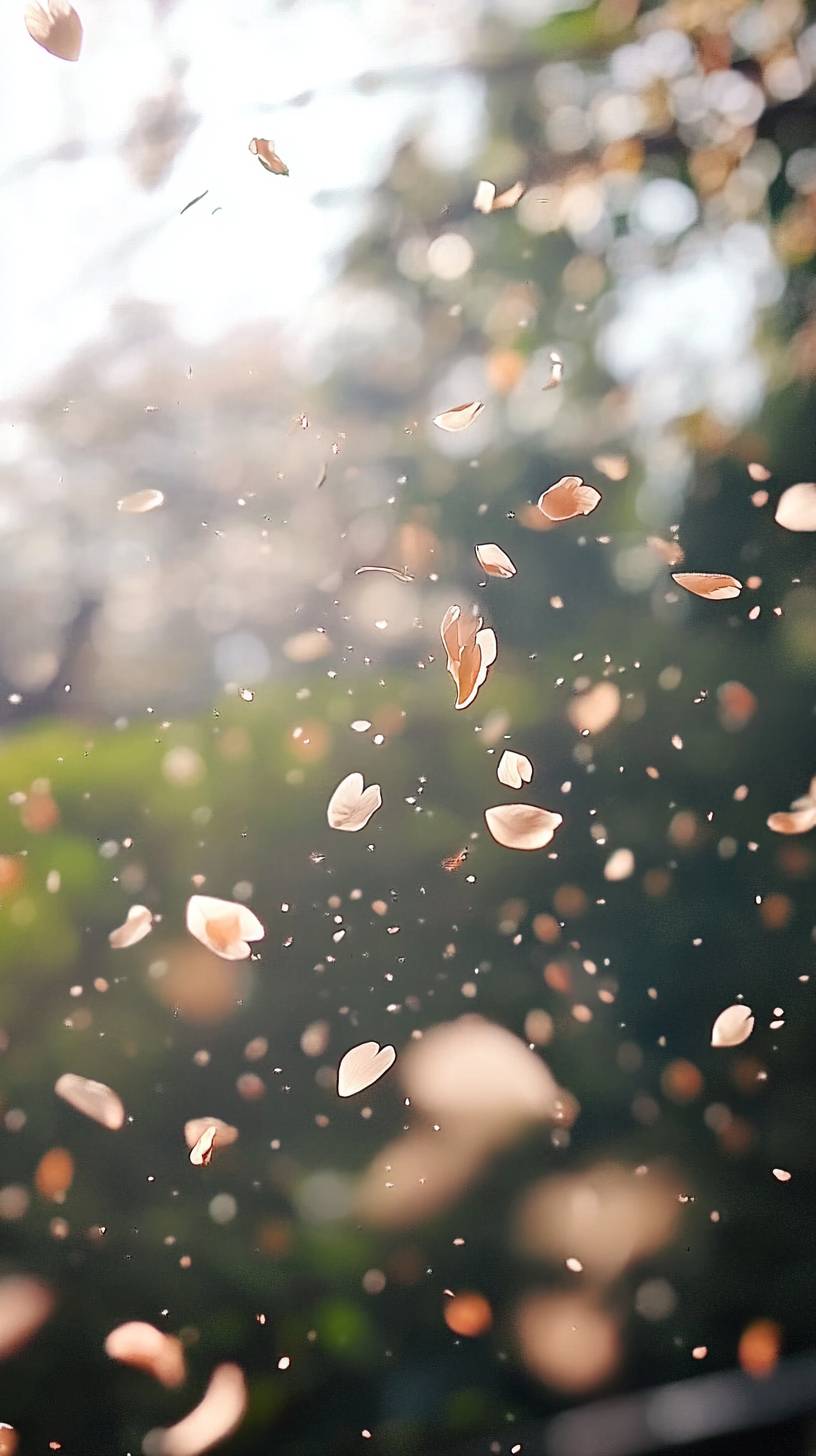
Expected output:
(79, 234)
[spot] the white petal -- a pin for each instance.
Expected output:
(93, 1099)
(215, 1417)
(522, 826)
(514, 769)
(732, 1027)
(494, 561)
(140, 502)
(362, 1065)
(619, 866)
(485, 193)
(146, 1348)
(223, 926)
(351, 805)
(459, 417)
(796, 510)
(138, 924)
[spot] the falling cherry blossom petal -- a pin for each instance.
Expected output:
(522, 826)
(146, 1348)
(223, 926)
(569, 497)
(758, 472)
(594, 710)
(55, 25)
(216, 1416)
(386, 571)
(556, 372)
(195, 1129)
(514, 769)
(796, 509)
(715, 586)
(485, 194)
(140, 502)
(138, 924)
(363, 1065)
(614, 467)
(92, 1099)
(494, 561)
(459, 417)
(25, 1304)
(619, 866)
(268, 157)
(733, 1026)
(352, 805)
(202, 1150)
(669, 551)
(797, 821)
(471, 651)
(508, 198)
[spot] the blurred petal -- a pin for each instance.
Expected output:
(216, 1416)
(25, 1304)
(55, 25)
(796, 510)
(93, 1099)
(146, 1348)
(140, 502)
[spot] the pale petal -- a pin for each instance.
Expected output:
(595, 709)
(478, 1075)
(351, 805)
(306, 646)
(202, 1150)
(798, 821)
(494, 561)
(669, 551)
(485, 193)
(268, 157)
(138, 924)
(716, 586)
(55, 25)
(614, 467)
(619, 866)
(522, 826)
(197, 1126)
(476, 661)
(459, 417)
(796, 510)
(140, 502)
(146, 1348)
(509, 198)
(569, 497)
(733, 1026)
(215, 1417)
(362, 1065)
(514, 769)
(758, 472)
(223, 926)
(93, 1099)
(25, 1304)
